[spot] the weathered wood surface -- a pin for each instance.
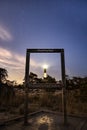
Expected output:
(44, 85)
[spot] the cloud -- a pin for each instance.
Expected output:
(5, 53)
(13, 59)
(4, 34)
(14, 63)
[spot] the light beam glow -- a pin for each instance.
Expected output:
(45, 66)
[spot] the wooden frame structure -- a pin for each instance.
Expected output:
(61, 51)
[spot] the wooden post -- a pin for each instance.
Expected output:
(64, 86)
(26, 87)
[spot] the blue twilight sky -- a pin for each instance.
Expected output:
(43, 24)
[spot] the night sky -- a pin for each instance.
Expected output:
(43, 24)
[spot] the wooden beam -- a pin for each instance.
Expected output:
(44, 85)
(26, 87)
(44, 50)
(64, 87)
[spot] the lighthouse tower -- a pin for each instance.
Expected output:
(45, 66)
(45, 73)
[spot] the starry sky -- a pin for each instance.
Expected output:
(43, 24)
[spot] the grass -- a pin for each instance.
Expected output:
(48, 100)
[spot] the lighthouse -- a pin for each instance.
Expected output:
(45, 71)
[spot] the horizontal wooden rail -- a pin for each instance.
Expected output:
(45, 50)
(44, 86)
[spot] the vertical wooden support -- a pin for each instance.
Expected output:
(26, 87)
(64, 86)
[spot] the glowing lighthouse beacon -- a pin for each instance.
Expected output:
(45, 71)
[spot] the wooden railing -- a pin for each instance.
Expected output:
(44, 85)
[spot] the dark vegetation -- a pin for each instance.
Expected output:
(33, 78)
(12, 95)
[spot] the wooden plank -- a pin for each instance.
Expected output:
(26, 88)
(45, 50)
(44, 85)
(64, 87)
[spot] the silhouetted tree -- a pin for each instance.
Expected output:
(50, 79)
(3, 75)
(32, 77)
